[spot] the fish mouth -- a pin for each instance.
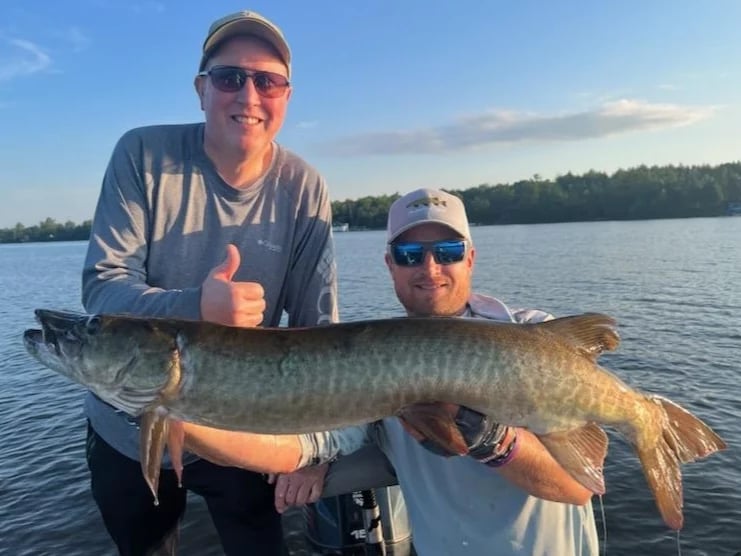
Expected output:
(33, 338)
(57, 327)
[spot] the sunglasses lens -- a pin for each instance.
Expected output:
(228, 80)
(413, 254)
(265, 84)
(448, 252)
(408, 254)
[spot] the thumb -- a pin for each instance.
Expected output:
(227, 269)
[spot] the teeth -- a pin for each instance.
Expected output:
(249, 120)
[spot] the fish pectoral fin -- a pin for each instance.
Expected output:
(581, 452)
(154, 425)
(434, 422)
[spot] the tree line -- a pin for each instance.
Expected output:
(47, 230)
(634, 194)
(637, 193)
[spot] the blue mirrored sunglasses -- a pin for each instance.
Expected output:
(412, 253)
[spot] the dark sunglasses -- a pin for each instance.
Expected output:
(412, 253)
(230, 79)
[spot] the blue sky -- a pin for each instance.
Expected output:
(388, 95)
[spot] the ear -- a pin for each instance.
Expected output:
(471, 257)
(199, 85)
(288, 93)
(387, 258)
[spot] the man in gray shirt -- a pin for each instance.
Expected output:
(211, 221)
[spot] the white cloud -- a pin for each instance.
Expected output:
(504, 127)
(21, 57)
(307, 125)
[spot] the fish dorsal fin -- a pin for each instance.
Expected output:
(590, 334)
(581, 452)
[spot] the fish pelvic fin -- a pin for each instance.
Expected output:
(434, 422)
(154, 425)
(683, 438)
(581, 452)
(591, 333)
(175, 443)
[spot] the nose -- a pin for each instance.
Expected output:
(429, 264)
(248, 94)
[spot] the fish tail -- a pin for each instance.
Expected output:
(682, 438)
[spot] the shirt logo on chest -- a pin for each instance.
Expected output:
(270, 246)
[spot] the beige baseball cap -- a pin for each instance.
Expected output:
(245, 23)
(427, 205)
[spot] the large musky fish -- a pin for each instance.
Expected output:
(540, 376)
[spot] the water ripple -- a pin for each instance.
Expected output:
(679, 318)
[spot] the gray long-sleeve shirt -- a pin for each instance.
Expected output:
(162, 223)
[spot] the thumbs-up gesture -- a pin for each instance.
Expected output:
(224, 301)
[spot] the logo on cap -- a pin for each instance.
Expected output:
(426, 202)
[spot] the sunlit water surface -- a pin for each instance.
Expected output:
(674, 286)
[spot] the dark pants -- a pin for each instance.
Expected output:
(240, 503)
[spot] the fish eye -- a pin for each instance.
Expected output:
(93, 324)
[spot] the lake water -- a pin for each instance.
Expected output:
(673, 285)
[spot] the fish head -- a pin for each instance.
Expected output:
(126, 361)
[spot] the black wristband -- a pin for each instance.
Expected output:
(481, 433)
(505, 453)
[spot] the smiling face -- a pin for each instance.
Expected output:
(242, 125)
(432, 289)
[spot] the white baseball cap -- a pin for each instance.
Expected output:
(427, 205)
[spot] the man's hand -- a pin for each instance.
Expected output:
(300, 487)
(519, 456)
(224, 301)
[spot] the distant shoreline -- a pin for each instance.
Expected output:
(363, 229)
(640, 193)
